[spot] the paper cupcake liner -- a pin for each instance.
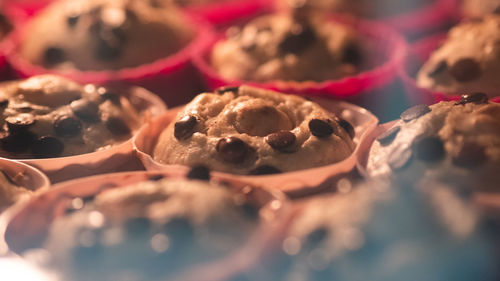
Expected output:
(429, 18)
(303, 181)
(390, 45)
(117, 158)
(418, 54)
(27, 224)
(227, 12)
(173, 78)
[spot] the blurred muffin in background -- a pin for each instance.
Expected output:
(467, 61)
(49, 116)
(292, 45)
(11, 191)
(247, 130)
(104, 35)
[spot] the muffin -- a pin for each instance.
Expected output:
(247, 130)
(104, 35)
(466, 61)
(289, 46)
(156, 229)
(378, 231)
(455, 142)
(48, 116)
(479, 8)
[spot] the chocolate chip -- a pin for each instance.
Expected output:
(117, 126)
(20, 122)
(281, 140)
(53, 56)
(430, 149)
(347, 127)
(400, 159)
(184, 128)
(415, 112)
(86, 110)
(438, 69)
(265, 170)
(17, 142)
(470, 156)
(477, 98)
(352, 54)
(156, 177)
(231, 89)
(320, 128)
(107, 51)
(388, 136)
(72, 20)
(232, 149)
(199, 173)
(316, 237)
(107, 94)
(298, 39)
(67, 126)
(250, 210)
(47, 147)
(465, 70)
(137, 227)
(4, 103)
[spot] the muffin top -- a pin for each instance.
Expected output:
(452, 142)
(247, 130)
(152, 230)
(480, 8)
(467, 61)
(104, 35)
(289, 47)
(10, 190)
(48, 116)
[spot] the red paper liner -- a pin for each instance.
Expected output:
(27, 224)
(172, 78)
(227, 12)
(418, 54)
(117, 158)
(436, 15)
(21, 10)
(291, 182)
(391, 45)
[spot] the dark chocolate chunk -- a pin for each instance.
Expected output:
(67, 126)
(86, 110)
(347, 127)
(316, 237)
(232, 149)
(415, 112)
(117, 126)
(465, 70)
(17, 142)
(184, 128)
(107, 50)
(470, 156)
(156, 177)
(400, 159)
(281, 140)
(477, 98)
(4, 103)
(137, 227)
(107, 94)
(199, 172)
(352, 54)
(72, 20)
(388, 136)
(47, 147)
(53, 56)
(222, 90)
(20, 122)
(430, 149)
(250, 210)
(297, 40)
(320, 128)
(265, 170)
(438, 69)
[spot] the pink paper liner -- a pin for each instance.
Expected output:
(294, 182)
(393, 49)
(224, 13)
(117, 158)
(22, 10)
(426, 19)
(173, 78)
(26, 224)
(418, 54)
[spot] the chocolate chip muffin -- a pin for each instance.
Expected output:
(479, 8)
(104, 35)
(48, 116)
(466, 61)
(247, 130)
(10, 190)
(289, 46)
(451, 142)
(153, 230)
